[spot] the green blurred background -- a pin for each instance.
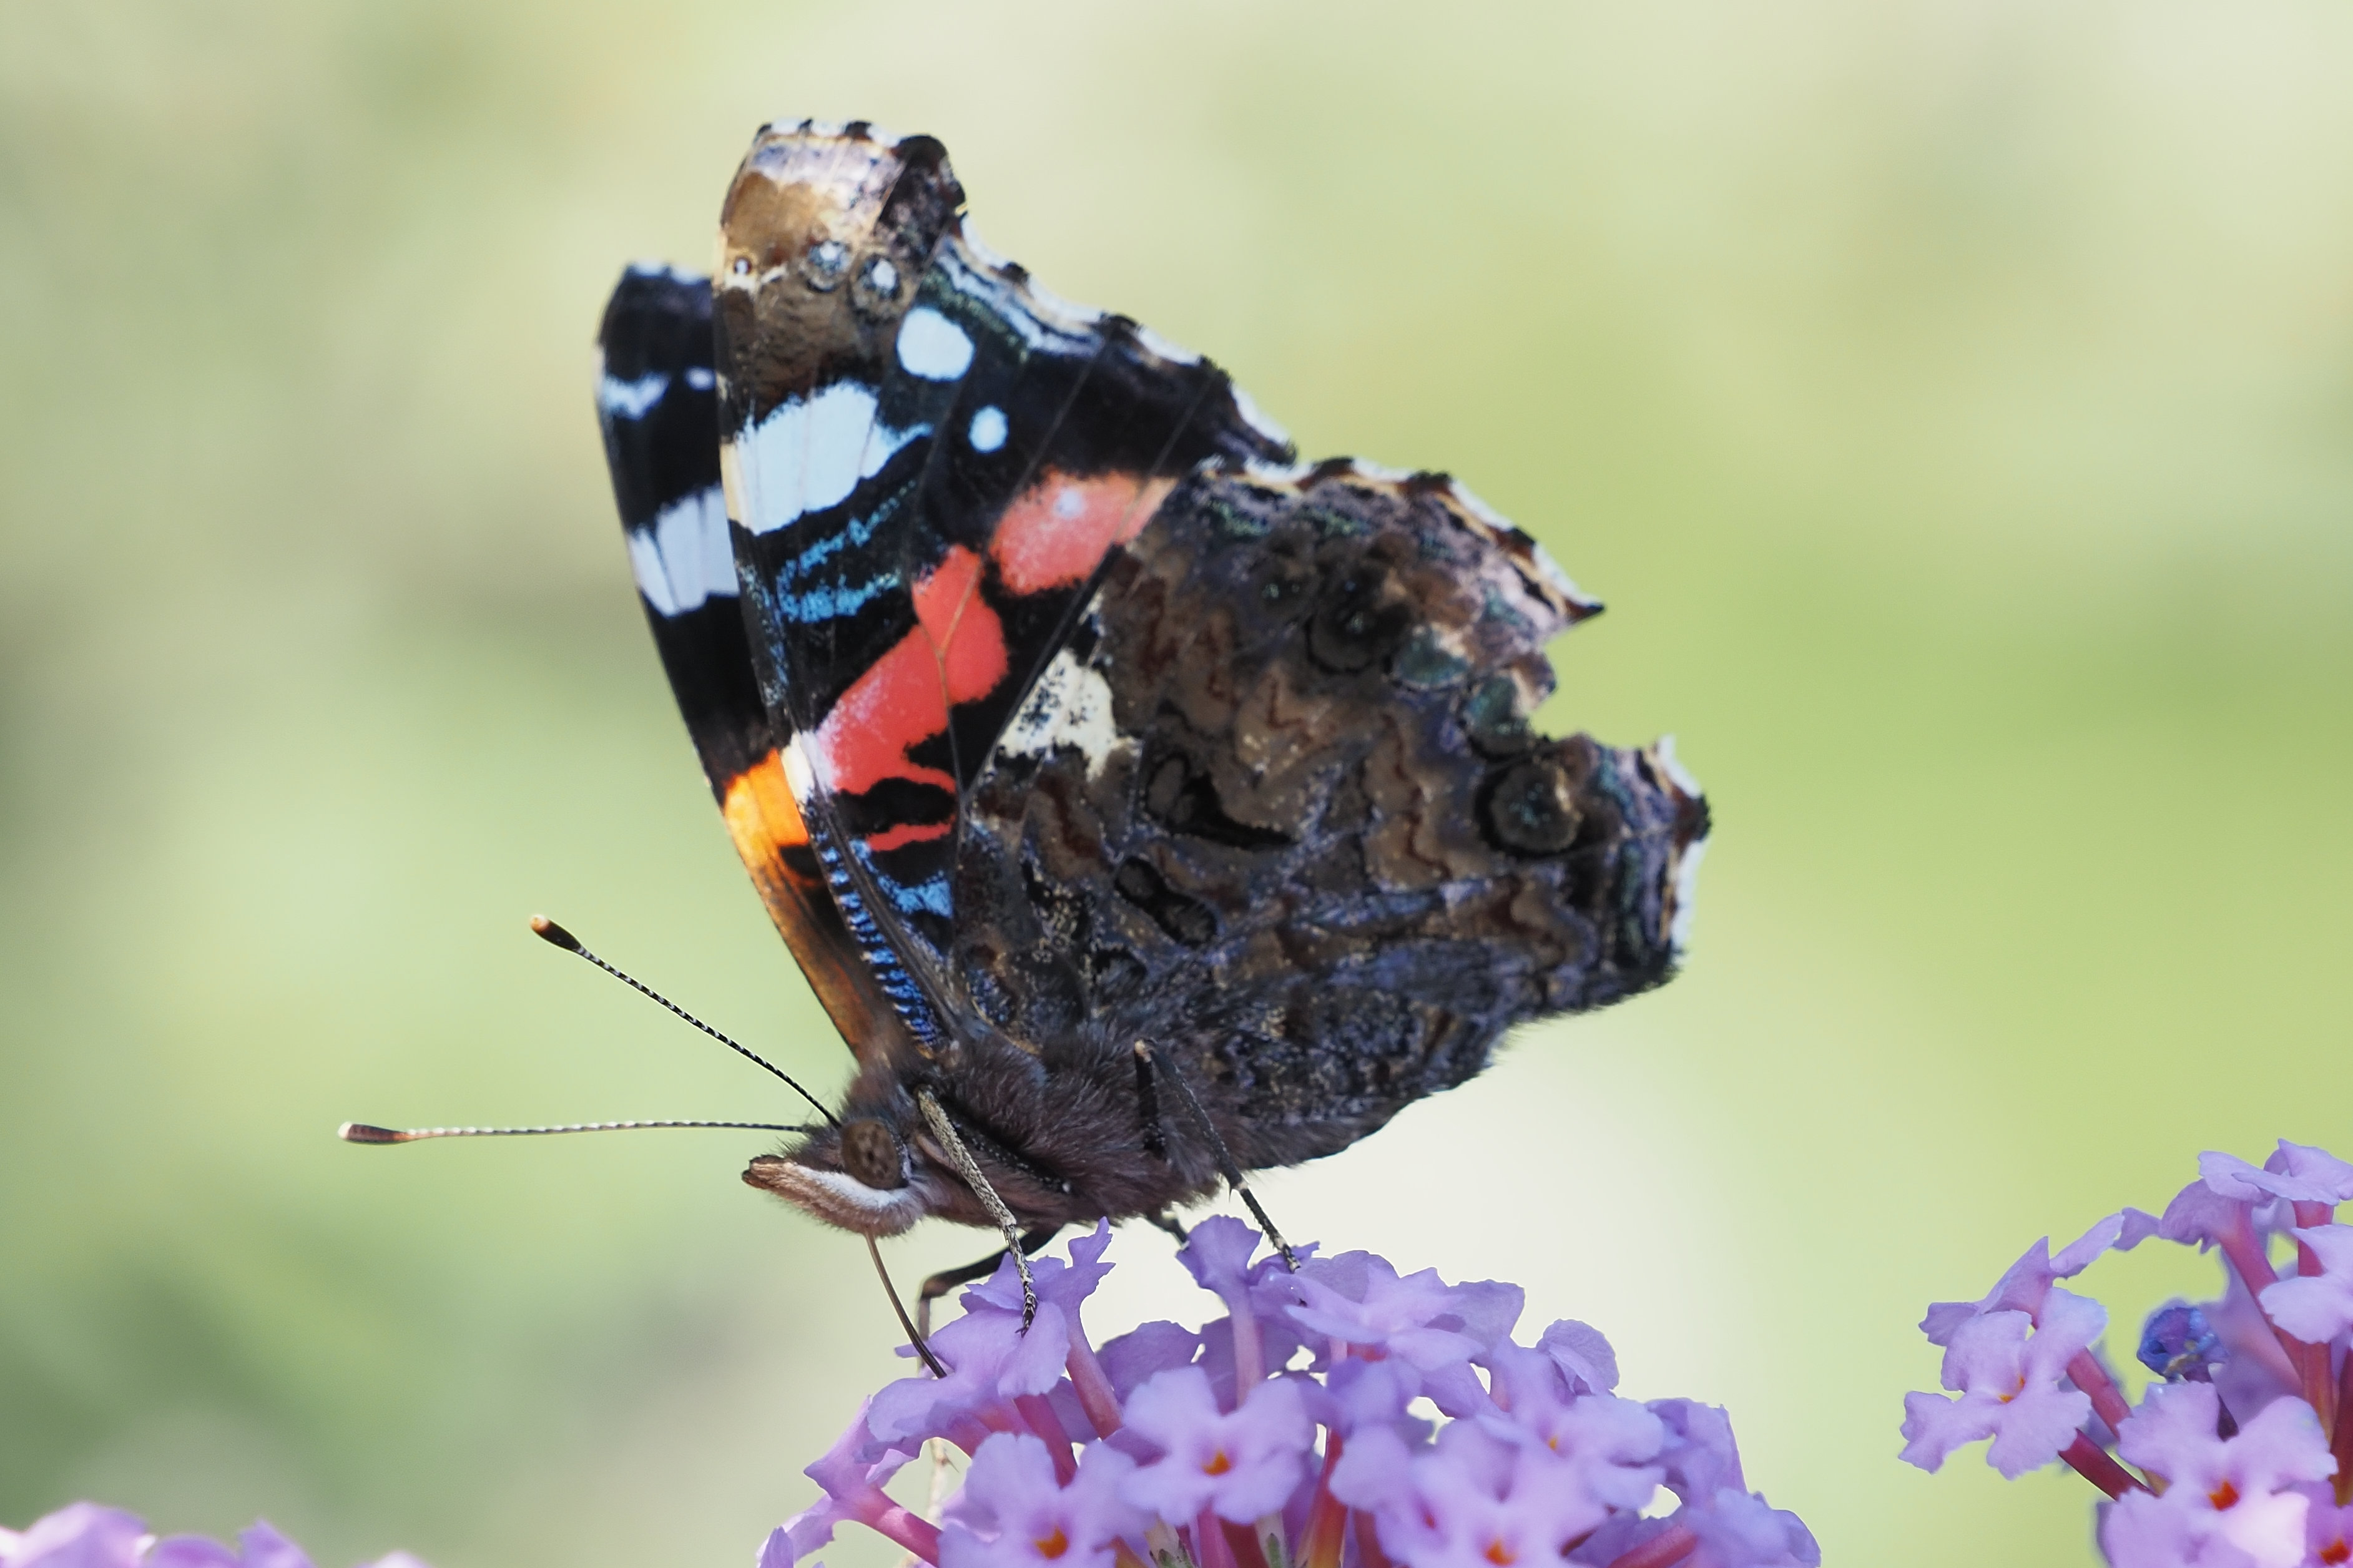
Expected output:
(1951, 399)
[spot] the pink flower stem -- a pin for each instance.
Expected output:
(1327, 1517)
(2092, 1462)
(1097, 1396)
(1039, 1414)
(2245, 1251)
(2239, 1245)
(1250, 1354)
(2341, 1439)
(1210, 1547)
(2319, 1388)
(911, 1530)
(1670, 1546)
(2107, 1400)
(1242, 1544)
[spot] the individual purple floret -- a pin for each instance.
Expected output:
(87, 1535)
(2010, 1370)
(2241, 1455)
(1208, 1448)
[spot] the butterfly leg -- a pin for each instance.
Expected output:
(1226, 1165)
(1147, 1111)
(948, 1279)
(973, 1177)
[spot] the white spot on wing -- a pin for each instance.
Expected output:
(1070, 706)
(653, 578)
(1686, 868)
(1046, 323)
(1686, 885)
(931, 346)
(1672, 765)
(1174, 354)
(988, 431)
(683, 558)
(799, 777)
(664, 269)
(699, 379)
(809, 454)
(1255, 417)
(630, 399)
(1366, 468)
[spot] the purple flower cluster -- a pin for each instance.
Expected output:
(1207, 1448)
(87, 1535)
(2241, 1455)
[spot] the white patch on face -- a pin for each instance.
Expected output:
(1255, 417)
(808, 455)
(683, 558)
(841, 1199)
(931, 346)
(1070, 706)
(988, 431)
(630, 399)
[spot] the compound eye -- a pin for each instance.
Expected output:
(871, 1155)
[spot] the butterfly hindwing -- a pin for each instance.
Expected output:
(1276, 808)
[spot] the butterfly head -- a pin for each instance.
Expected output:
(864, 1175)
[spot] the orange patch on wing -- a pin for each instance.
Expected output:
(955, 654)
(763, 818)
(1058, 530)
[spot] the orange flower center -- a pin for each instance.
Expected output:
(1500, 1556)
(2223, 1495)
(1219, 1464)
(2336, 1551)
(1052, 1546)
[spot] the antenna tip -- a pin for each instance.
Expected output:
(548, 930)
(361, 1132)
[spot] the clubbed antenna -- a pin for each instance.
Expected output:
(555, 935)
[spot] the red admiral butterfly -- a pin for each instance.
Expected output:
(1137, 800)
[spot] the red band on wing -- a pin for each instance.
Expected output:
(955, 654)
(1058, 530)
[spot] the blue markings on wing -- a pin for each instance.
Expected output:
(929, 896)
(907, 998)
(836, 601)
(802, 603)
